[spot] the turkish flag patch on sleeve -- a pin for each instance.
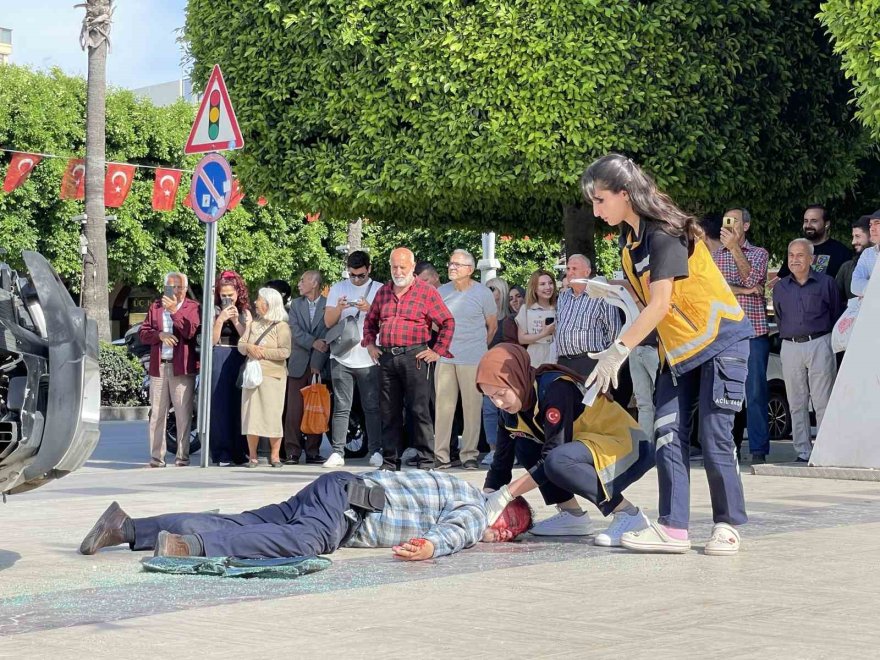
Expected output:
(553, 415)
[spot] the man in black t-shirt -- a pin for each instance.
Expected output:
(828, 254)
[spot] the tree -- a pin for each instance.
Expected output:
(855, 31)
(94, 39)
(484, 114)
(43, 112)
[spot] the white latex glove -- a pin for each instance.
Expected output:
(496, 502)
(610, 361)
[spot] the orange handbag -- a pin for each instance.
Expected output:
(316, 407)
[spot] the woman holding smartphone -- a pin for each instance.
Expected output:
(704, 350)
(232, 318)
(536, 320)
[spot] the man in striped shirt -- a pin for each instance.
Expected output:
(583, 324)
(419, 514)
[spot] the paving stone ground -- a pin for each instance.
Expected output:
(804, 585)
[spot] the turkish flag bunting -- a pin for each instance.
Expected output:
(165, 189)
(117, 183)
(236, 197)
(187, 200)
(20, 168)
(312, 217)
(73, 183)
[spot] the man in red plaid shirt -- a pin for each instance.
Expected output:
(402, 316)
(744, 266)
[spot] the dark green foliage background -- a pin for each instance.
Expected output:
(121, 376)
(483, 114)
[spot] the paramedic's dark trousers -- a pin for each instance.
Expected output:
(719, 386)
(312, 522)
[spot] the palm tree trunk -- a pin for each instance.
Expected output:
(95, 298)
(355, 234)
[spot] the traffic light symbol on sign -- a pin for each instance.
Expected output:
(214, 115)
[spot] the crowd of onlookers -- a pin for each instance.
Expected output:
(409, 348)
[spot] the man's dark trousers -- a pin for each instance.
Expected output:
(405, 381)
(367, 379)
(312, 522)
(758, 395)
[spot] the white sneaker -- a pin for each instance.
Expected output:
(620, 525)
(335, 460)
(407, 454)
(488, 458)
(376, 459)
(564, 524)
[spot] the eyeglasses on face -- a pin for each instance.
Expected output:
(358, 276)
(456, 265)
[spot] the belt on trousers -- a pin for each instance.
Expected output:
(400, 350)
(226, 342)
(800, 339)
(577, 356)
(167, 360)
(362, 499)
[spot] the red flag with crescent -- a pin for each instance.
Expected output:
(237, 195)
(73, 183)
(20, 168)
(165, 189)
(117, 183)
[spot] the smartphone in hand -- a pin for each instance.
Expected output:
(225, 301)
(169, 291)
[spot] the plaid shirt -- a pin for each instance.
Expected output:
(407, 320)
(447, 511)
(753, 304)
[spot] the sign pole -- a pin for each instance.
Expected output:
(204, 425)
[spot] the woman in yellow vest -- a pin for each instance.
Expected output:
(594, 452)
(704, 348)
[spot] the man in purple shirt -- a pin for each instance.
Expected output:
(807, 305)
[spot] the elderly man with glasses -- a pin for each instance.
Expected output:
(476, 317)
(170, 329)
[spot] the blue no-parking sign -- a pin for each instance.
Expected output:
(211, 188)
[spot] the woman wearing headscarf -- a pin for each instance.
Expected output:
(567, 447)
(232, 318)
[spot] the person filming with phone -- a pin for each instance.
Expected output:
(170, 329)
(536, 320)
(744, 267)
(232, 318)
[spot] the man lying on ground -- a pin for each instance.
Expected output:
(419, 514)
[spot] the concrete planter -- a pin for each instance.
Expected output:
(124, 413)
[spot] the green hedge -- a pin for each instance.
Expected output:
(121, 377)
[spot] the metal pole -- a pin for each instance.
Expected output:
(204, 425)
(488, 265)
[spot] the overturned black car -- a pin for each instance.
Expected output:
(50, 390)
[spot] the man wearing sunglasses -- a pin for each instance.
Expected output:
(352, 298)
(744, 266)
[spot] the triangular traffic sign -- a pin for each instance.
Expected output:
(215, 127)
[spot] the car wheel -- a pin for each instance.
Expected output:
(779, 415)
(171, 435)
(356, 441)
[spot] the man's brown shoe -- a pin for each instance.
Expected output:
(109, 530)
(177, 545)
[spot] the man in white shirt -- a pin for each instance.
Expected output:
(351, 298)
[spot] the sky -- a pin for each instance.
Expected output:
(143, 47)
